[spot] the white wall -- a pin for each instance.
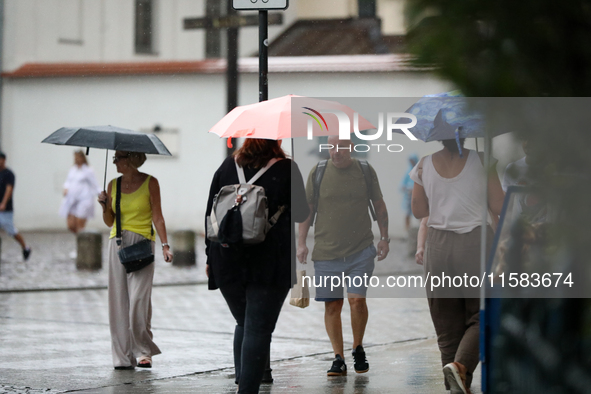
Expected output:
(325, 9)
(39, 107)
(391, 12)
(33, 108)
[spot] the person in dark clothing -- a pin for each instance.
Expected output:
(6, 213)
(256, 279)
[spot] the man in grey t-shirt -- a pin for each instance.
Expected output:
(343, 245)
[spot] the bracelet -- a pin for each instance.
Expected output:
(165, 244)
(387, 239)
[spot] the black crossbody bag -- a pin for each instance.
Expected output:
(136, 256)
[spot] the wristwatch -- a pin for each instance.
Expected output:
(165, 244)
(387, 239)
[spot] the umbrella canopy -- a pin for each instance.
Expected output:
(108, 137)
(273, 119)
(440, 115)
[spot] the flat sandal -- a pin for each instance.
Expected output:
(144, 362)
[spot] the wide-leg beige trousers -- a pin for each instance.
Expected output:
(130, 307)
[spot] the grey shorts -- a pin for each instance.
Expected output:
(354, 271)
(7, 223)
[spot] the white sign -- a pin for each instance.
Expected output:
(260, 4)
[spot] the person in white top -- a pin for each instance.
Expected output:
(516, 172)
(448, 196)
(80, 191)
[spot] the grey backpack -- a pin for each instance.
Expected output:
(241, 205)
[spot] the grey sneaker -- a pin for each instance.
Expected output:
(338, 368)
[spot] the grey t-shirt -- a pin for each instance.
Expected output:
(343, 223)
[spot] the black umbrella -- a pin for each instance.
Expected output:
(109, 138)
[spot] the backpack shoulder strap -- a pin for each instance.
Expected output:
(240, 171)
(317, 180)
(242, 178)
(368, 182)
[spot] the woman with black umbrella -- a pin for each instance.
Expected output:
(130, 306)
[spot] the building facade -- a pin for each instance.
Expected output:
(88, 62)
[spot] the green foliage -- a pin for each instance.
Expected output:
(505, 48)
(524, 48)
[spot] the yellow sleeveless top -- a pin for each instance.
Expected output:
(136, 210)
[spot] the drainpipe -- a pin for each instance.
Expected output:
(1, 63)
(368, 16)
(213, 41)
(367, 8)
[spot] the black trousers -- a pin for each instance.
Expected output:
(256, 308)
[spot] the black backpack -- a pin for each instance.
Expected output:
(319, 174)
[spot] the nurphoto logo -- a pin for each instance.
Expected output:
(344, 132)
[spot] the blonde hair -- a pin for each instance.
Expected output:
(80, 153)
(136, 159)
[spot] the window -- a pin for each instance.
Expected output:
(144, 26)
(70, 22)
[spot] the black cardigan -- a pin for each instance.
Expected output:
(271, 262)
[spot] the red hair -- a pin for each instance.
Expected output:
(256, 153)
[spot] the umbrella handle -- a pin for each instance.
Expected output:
(106, 163)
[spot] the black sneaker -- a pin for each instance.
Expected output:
(361, 364)
(26, 253)
(339, 368)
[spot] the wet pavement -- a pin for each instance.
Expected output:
(51, 265)
(58, 341)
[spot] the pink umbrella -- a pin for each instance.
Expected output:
(285, 117)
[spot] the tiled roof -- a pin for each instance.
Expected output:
(325, 37)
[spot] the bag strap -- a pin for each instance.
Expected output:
(318, 175)
(368, 181)
(118, 213)
(214, 219)
(242, 178)
(275, 217)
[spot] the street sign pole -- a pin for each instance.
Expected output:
(263, 56)
(232, 67)
(263, 53)
(263, 7)
(232, 22)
